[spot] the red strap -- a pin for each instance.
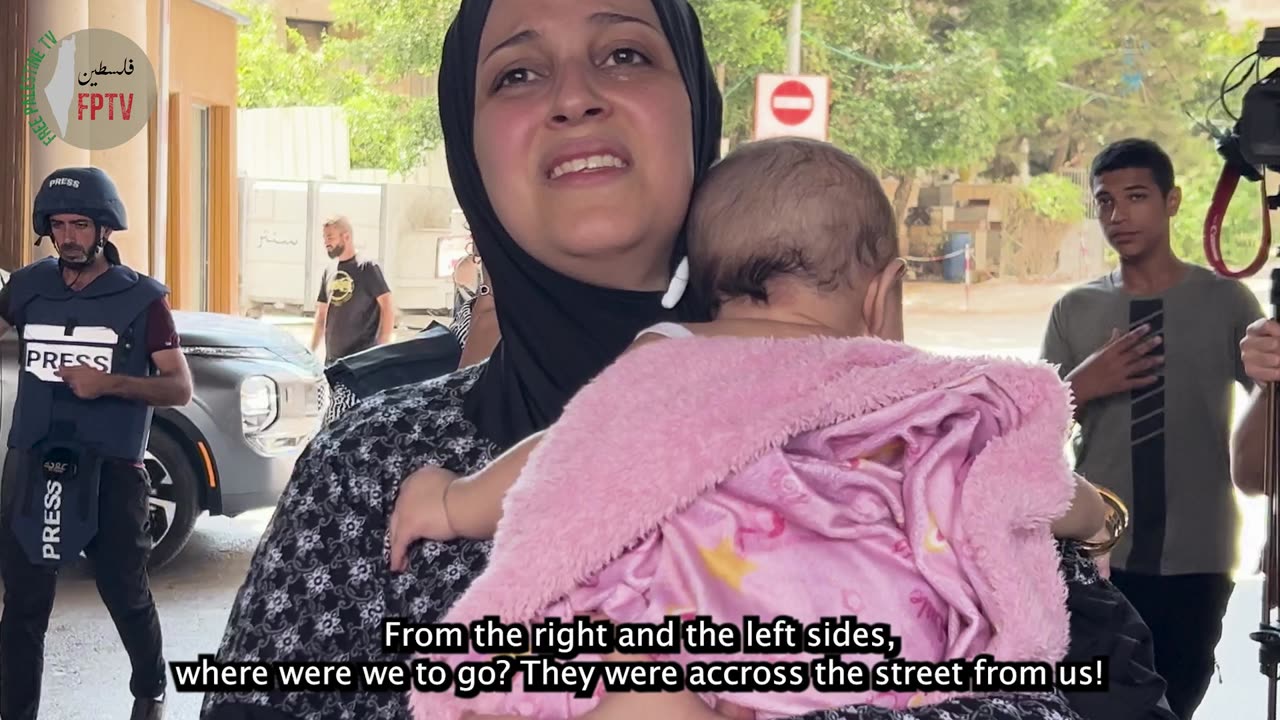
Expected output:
(1213, 226)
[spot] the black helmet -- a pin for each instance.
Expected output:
(84, 191)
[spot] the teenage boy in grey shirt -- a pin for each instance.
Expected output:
(1152, 354)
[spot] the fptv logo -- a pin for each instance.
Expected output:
(94, 89)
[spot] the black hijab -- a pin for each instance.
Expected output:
(557, 332)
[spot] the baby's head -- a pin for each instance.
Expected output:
(797, 229)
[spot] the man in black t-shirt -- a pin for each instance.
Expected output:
(354, 311)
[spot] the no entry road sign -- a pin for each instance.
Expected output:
(795, 105)
(792, 102)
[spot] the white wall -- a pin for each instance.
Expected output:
(295, 171)
(411, 230)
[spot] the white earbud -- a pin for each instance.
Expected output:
(679, 282)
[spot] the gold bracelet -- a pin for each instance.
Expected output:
(445, 502)
(1116, 523)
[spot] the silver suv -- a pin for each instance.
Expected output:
(259, 397)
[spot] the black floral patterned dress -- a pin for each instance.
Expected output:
(319, 585)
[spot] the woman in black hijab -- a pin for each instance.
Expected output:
(533, 95)
(575, 132)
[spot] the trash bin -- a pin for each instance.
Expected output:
(953, 267)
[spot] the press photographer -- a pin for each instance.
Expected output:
(99, 351)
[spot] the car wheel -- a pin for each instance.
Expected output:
(175, 497)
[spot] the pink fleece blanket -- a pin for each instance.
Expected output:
(810, 478)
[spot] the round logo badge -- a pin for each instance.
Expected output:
(96, 89)
(60, 464)
(341, 288)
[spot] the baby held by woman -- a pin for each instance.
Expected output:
(789, 457)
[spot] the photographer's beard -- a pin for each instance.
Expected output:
(73, 256)
(335, 250)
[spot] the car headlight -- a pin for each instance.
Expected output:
(259, 404)
(238, 353)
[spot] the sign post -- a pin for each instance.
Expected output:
(792, 105)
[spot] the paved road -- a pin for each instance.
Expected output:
(1241, 692)
(86, 669)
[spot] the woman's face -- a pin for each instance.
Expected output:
(583, 134)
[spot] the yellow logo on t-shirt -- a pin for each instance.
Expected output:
(341, 288)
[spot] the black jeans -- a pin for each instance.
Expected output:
(1184, 613)
(119, 555)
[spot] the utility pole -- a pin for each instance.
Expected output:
(793, 38)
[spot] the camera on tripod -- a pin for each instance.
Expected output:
(1259, 127)
(1249, 149)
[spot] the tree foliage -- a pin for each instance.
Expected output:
(269, 75)
(394, 38)
(919, 87)
(1056, 198)
(1168, 71)
(744, 40)
(924, 104)
(362, 72)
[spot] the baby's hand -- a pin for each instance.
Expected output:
(420, 513)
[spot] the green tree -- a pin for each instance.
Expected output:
(950, 84)
(269, 74)
(1038, 45)
(1157, 72)
(1147, 66)
(744, 38)
(1093, 73)
(393, 39)
(358, 69)
(918, 86)
(923, 86)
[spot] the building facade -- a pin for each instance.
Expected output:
(192, 246)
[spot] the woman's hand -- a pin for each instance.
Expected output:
(683, 705)
(1260, 351)
(1103, 561)
(420, 513)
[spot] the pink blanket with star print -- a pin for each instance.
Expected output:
(810, 478)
